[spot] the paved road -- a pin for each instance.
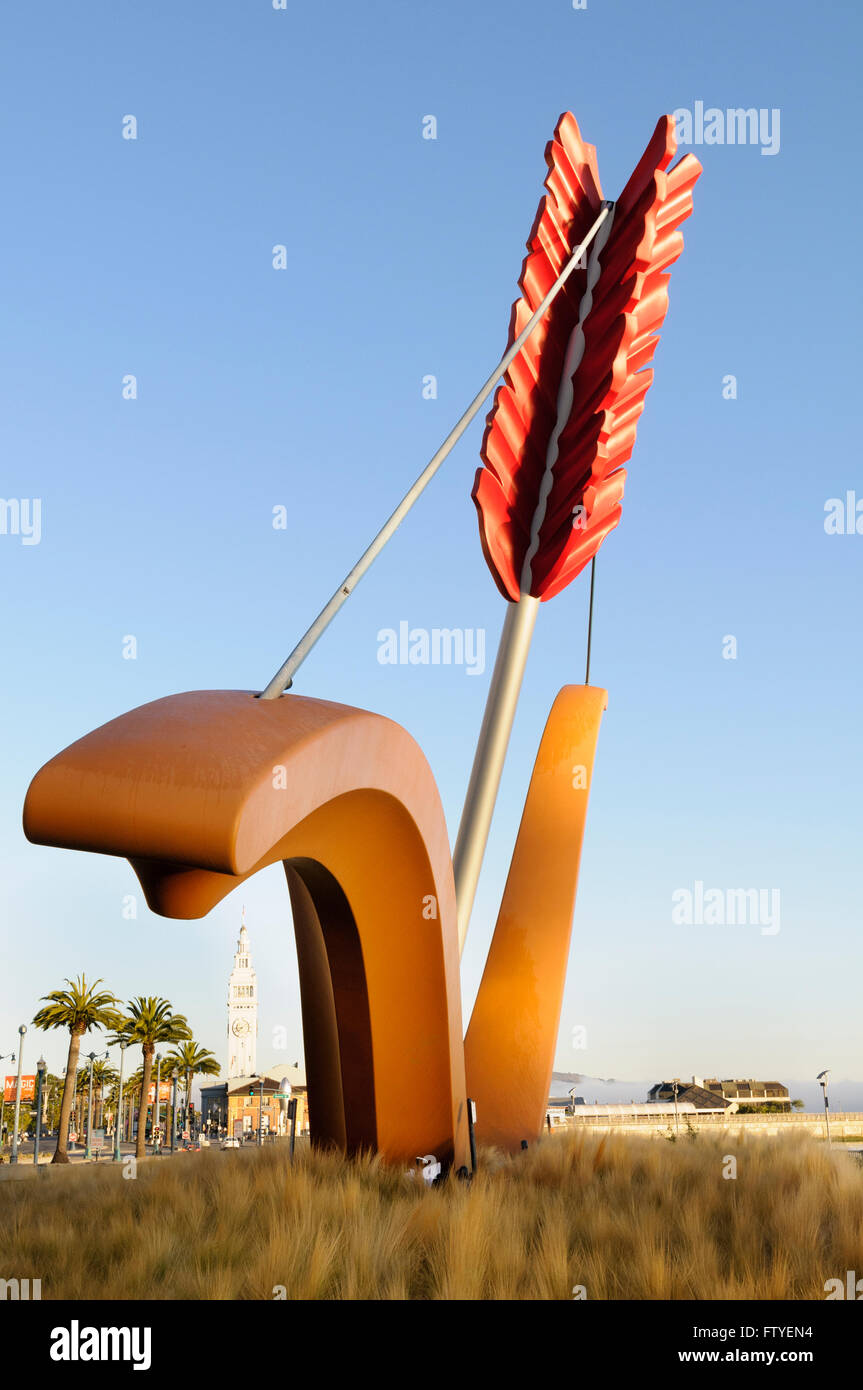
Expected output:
(76, 1154)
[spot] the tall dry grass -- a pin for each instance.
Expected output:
(625, 1217)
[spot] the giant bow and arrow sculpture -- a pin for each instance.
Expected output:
(203, 789)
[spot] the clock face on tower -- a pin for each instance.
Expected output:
(240, 1027)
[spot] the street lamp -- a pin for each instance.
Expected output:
(157, 1107)
(4, 1057)
(14, 1155)
(292, 1117)
(118, 1122)
(676, 1085)
(823, 1078)
(40, 1077)
(174, 1076)
(88, 1152)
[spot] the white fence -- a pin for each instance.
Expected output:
(843, 1124)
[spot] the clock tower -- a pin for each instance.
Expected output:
(242, 1010)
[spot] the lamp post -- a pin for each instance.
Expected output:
(4, 1057)
(292, 1116)
(46, 1097)
(174, 1075)
(118, 1123)
(471, 1133)
(823, 1077)
(261, 1116)
(157, 1107)
(40, 1077)
(14, 1155)
(88, 1152)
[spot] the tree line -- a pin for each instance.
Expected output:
(147, 1022)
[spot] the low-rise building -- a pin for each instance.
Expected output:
(712, 1094)
(693, 1093)
(240, 1106)
(748, 1093)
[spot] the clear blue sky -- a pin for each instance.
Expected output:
(302, 387)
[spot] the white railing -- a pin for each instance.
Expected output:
(846, 1121)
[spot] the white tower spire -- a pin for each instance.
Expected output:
(242, 1009)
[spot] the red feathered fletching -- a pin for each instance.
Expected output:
(568, 491)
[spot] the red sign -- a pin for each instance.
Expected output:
(164, 1091)
(28, 1089)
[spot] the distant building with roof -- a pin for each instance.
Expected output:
(712, 1094)
(700, 1096)
(235, 1106)
(564, 1104)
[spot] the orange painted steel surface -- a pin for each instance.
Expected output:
(200, 791)
(510, 1044)
(203, 789)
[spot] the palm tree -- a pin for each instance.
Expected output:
(79, 1008)
(132, 1103)
(193, 1060)
(103, 1075)
(150, 1022)
(131, 1095)
(52, 1090)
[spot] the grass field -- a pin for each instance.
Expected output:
(623, 1217)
